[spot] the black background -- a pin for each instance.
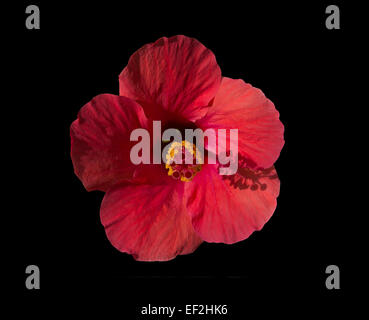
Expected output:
(78, 53)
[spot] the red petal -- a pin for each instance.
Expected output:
(149, 222)
(100, 140)
(229, 208)
(176, 75)
(238, 105)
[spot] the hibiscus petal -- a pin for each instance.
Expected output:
(229, 209)
(238, 105)
(149, 222)
(100, 140)
(177, 75)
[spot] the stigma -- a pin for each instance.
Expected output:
(183, 160)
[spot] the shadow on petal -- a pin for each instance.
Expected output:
(247, 178)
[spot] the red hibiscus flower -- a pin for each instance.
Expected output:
(147, 210)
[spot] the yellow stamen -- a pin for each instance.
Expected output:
(183, 171)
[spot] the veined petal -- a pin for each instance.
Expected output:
(238, 105)
(100, 140)
(149, 222)
(176, 76)
(229, 209)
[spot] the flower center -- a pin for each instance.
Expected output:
(183, 160)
